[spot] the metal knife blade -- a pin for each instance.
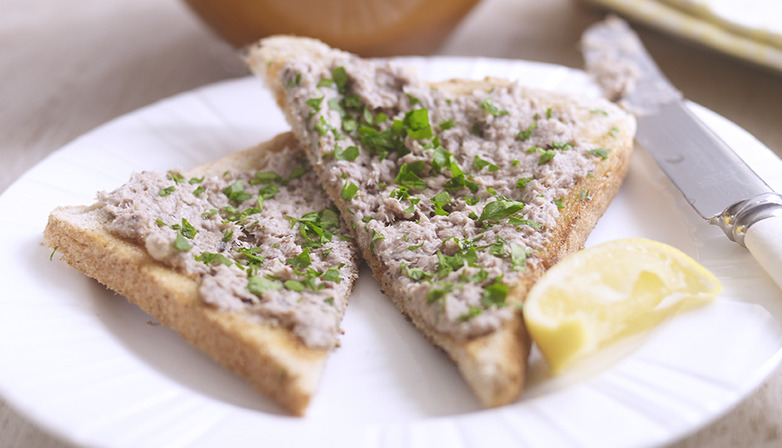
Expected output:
(718, 184)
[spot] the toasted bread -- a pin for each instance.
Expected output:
(257, 345)
(364, 131)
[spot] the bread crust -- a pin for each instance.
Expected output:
(274, 361)
(493, 365)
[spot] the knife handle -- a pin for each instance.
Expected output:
(764, 241)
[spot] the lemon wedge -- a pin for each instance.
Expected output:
(600, 294)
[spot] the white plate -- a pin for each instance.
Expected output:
(97, 371)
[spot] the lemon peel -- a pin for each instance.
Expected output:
(598, 295)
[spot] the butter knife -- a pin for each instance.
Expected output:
(716, 182)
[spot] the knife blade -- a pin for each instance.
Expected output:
(715, 181)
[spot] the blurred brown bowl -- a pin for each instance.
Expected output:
(364, 27)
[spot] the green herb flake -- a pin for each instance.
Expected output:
(176, 177)
(259, 285)
(416, 124)
(499, 209)
(180, 243)
(613, 132)
(375, 236)
(293, 82)
(548, 113)
(228, 235)
(209, 258)
(236, 193)
(439, 200)
(585, 195)
(340, 77)
(348, 191)
(349, 154)
(558, 203)
(600, 152)
(416, 274)
(523, 181)
(518, 257)
(413, 100)
(417, 246)
(469, 200)
(489, 106)
(599, 112)
(562, 146)
(447, 124)
(527, 133)
(265, 177)
(295, 285)
(314, 103)
(478, 277)
(187, 229)
(196, 180)
(478, 163)
(166, 191)
(494, 294)
(514, 221)
(408, 175)
(331, 275)
(472, 311)
(545, 155)
(329, 301)
(198, 191)
(301, 261)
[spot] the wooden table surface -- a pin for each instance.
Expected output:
(69, 66)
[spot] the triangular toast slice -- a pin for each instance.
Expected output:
(460, 194)
(244, 257)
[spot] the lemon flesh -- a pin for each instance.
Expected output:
(598, 295)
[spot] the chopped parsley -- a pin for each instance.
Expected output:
(600, 152)
(522, 182)
(494, 294)
(259, 285)
(439, 200)
(349, 154)
(447, 124)
(314, 103)
(331, 275)
(499, 209)
(416, 123)
(518, 257)
(409, 175)
(514, 221)
(166, 191)
(416, 274)
(478, 163)
(527, 133)
(210, 258)
(180, 243)
(489, 106)
(472, 311)
(348, 191)
(236, 193)
(375, 236)
(301, 261)
(340, 77)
